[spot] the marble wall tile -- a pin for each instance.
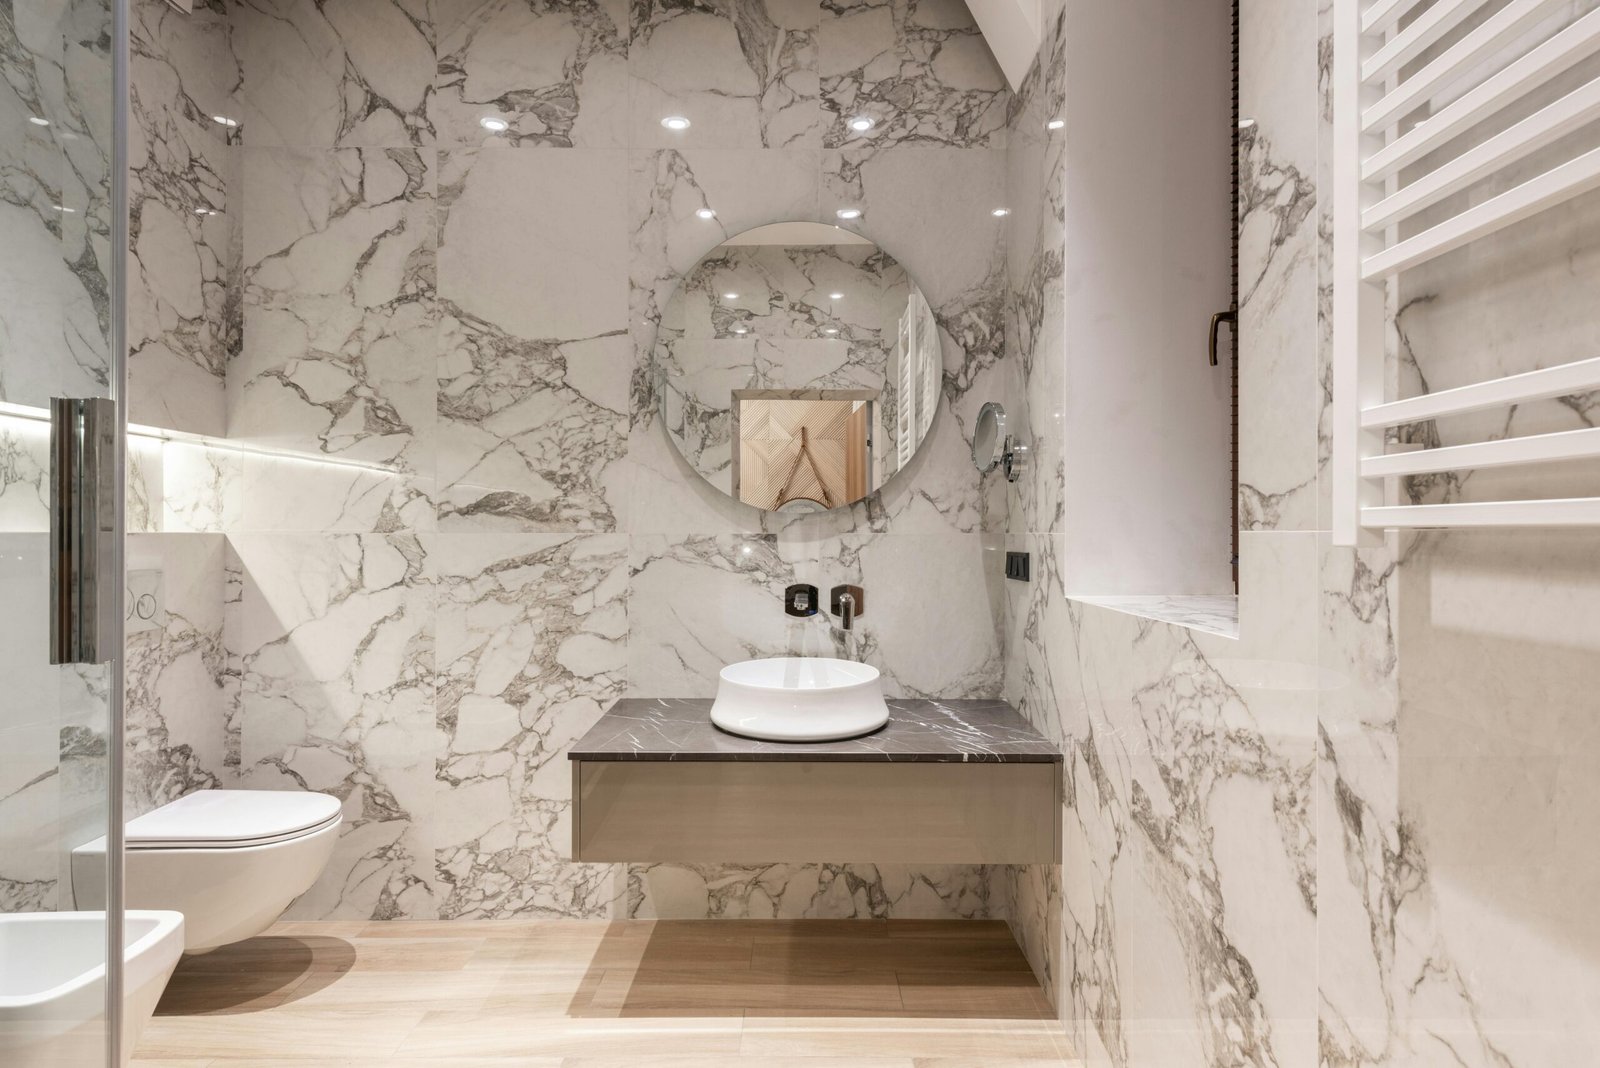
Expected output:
(919, 68)
(700, 602)
(744, 73)
(55, 208)
(1279, 383)
(340, 327)
(806, 891)
(532, 634)
(173, 699)
(348, 74)
(202, 488)
(535, 362)
(30, 731)
(183, 284)
(24, 474)
(29, 818)
(337, 686)
(557, 72)
(1035, 326)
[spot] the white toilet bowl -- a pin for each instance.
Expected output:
(230, 860)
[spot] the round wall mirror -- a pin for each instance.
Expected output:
(800, 367)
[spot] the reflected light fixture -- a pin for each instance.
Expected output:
(835, 296)
(848, 213)
(37, 121)
(675, 122)
(1000, 213)
(494, 124)
(223, 120)
(861, 124)
(831, 330)
(730, 296)
(1055, 124)
(64, 209)
(706, 213)
(1247, 124)
(205, 211)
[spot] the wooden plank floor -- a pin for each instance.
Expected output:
(570, 994)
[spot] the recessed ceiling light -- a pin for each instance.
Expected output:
(1247, 124)
(835, 296)
(999, 213)
(494, 124)
(861, 124)
(848, 213)
(675, 122)
(1055, 124)
(223, 120)
(37, 121)
(706, 213)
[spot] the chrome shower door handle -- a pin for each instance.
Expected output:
(1217, 320)
(82, 525)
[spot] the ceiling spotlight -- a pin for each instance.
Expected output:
(835, 296)
(1000, 213)
(706, 213)
(861, 124)
(494, 124)
(848, 213)
(1055, 124)
(223, 120)
(37, 121)
(1247, 124)
(675, 122)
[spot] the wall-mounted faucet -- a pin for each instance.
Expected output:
(847, 602)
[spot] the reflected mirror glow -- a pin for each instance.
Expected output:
(815, 388)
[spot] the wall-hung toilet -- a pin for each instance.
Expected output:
(230, 860)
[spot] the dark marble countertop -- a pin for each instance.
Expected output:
(918, 731)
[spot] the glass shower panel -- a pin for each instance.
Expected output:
(60, 322)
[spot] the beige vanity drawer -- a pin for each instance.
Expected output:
(848, 811)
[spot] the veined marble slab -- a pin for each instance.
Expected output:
(918, 731)
(1212, 613)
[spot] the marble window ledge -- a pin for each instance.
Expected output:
(1211, 613)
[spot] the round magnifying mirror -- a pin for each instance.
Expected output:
(989, 437)
(800, 367)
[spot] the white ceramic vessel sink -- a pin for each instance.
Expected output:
(799, 699)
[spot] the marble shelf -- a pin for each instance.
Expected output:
(918, 731)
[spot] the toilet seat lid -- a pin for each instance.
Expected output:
(218, 818)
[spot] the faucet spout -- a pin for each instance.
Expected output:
(847, 602)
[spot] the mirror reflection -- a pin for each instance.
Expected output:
(800, 367)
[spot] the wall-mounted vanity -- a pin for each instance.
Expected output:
(943, 782)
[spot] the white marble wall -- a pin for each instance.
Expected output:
(55, 323)
(458, 531)
(1346, 837)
